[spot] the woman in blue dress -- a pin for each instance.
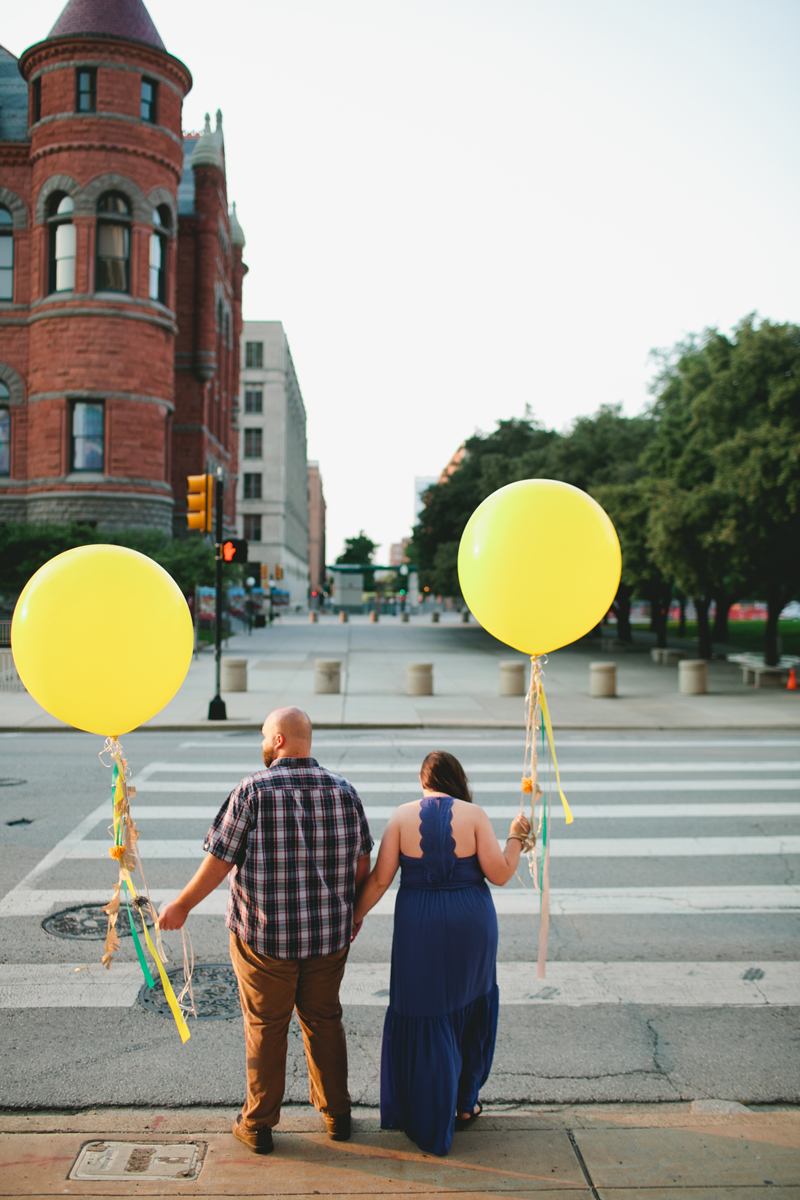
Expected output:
(441, 1024)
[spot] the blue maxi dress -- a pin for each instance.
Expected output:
(440, 1029)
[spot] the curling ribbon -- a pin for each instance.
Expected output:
(180, 1021)
(139, 951)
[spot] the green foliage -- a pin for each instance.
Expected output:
(25, 548)
(358, 551)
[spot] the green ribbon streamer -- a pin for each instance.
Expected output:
(139, 951)
(544, 833)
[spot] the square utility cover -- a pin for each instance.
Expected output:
(138, 1160)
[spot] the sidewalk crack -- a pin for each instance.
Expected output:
(582, 1165)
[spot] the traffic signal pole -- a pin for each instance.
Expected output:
(216, 709)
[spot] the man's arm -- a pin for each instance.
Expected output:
(209, 875)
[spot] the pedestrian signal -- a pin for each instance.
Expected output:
(234, 550)
(264, 574)
(279, 572)
(200, 499)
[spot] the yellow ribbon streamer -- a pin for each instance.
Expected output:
(549, 728)
(180, 1021)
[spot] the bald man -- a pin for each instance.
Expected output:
(296, 842)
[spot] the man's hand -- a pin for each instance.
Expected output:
(172, 915)
(356, 927)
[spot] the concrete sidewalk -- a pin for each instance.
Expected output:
(591, 1152)
(465, 662)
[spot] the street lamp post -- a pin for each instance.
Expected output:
(216, 709)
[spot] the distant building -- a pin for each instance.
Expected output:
(316, 529)
(120, 279)
(396, 554)
(421, 485)
(272, 493)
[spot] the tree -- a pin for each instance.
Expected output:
(359, 552)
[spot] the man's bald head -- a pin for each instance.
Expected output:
(286, 734)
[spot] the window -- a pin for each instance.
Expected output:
(5, 430)
(252, 487)
(252, 443)
(36, 100)
(113, 243)
(148, 104)
(6, 254)
(158, 254)
(88, 437)
(252, 527)
(62, 243)
(254, 354)
(253, 401)
(86, 98)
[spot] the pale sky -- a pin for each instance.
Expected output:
(458, 209)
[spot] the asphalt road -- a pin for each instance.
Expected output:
(672, 968)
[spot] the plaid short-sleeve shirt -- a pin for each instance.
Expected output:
(294, 833)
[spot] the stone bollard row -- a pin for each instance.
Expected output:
(602, 679)
(435, 618)
(313, 617)
(404, 618)
(693, 677)
(420, 679)
(373, 618)
(327, 676)
(512, 678)
(465, 617)
(343, 617)
(233, 675)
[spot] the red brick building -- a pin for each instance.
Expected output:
(120, 279)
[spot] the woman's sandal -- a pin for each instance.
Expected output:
(464, 1122)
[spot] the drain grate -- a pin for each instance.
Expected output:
(135, 1161)
(86, 923)
(216, 993)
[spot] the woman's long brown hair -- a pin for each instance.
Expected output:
(442, 772)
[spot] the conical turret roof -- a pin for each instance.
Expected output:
(128, 19)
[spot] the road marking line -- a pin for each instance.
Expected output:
(560, 847)
(380, 812)
(504, 768)
(570, 984)
(509, 901)
(361, 741)
(224, 787)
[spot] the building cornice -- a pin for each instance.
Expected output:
(58, 310)
(83, 394)
(108, 148)
(108, 116)
(81, 45)
(109, 64)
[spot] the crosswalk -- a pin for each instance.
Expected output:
(667, 849)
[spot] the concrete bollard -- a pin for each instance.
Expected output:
(657, 654)
(693, 677)
(327, 676)
(233, 675)
(602, 679)
(465, 617)
(343, 617)
(512, 678)
(373, 618)
(404, 618)
(313, 617)
(435, 618)
(420, 679)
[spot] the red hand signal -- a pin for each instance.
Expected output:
(228, 551)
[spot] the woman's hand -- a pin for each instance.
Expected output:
(520, 827)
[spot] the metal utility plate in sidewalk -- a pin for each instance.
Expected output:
(134, 1161)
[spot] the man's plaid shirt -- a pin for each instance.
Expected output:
(295, 833)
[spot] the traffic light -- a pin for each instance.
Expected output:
(264, 575)
(279, 572)
(200, 500)
(234, 550)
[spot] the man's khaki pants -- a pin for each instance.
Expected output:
(270, 988)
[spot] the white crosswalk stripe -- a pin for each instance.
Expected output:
(628, 812)
(371, 786)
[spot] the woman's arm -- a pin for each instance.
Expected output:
(382, 873)
(499, 865)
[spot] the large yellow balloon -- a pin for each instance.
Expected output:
(102, 638)
(539, 564)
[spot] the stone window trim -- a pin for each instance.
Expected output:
(72, 394)
(106, 65)
(110, 116)
(17, 208)
(85, 86)
(14, 383)
(85, 199)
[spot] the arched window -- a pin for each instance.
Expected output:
(158, 254)
(62, 243)
(6, 254)
(113, 243)
(5, 430)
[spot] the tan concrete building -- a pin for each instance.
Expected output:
(272, 490)
(316, 529)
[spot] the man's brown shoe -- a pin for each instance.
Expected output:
(257, 1140)
(338, 1127)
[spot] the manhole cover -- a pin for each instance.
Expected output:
(139, 1160)
(216, 992)
(11, 782)
(87, 923)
